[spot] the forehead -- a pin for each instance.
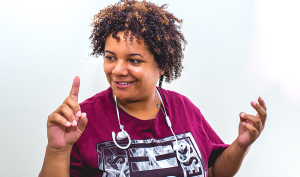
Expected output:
(125, 44)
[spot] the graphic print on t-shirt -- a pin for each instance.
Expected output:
(151, 157)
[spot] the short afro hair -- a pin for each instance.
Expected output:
(159, 29)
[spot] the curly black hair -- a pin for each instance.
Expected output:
(159, 29)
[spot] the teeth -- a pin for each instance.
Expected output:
(123, 83)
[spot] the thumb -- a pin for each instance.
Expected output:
(81, 123)
(75, 88)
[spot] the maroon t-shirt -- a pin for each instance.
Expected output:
(151, 152)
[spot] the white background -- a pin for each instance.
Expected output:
(237, 50)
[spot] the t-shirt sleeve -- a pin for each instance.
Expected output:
(218, 146)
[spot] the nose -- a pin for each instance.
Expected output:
(120, 68)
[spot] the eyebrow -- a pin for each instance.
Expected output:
(129, 55)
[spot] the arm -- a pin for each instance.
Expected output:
(64, 127)
(56, 162)
(229, 162)
(250, 127)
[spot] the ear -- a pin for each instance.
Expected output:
(161, 72)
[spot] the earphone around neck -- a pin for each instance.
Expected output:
(123, 134)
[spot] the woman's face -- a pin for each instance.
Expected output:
(130, 69)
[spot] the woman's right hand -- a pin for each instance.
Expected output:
(66, 124)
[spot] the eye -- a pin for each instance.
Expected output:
(134, 61)
(109, 58)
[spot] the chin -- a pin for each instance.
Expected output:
(121, 94)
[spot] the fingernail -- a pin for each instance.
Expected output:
(68, 124)
(74, 123)
(253, 103)
(242, 115)
(243, 123)
(78, 114)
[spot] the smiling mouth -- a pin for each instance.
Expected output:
(124, 83)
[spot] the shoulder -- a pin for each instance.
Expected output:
(179, 103)
(175, 98)
(100, 98)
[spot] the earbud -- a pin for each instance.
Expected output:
(123, 133)
(121, 136)
(181, 147)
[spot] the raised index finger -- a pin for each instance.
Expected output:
(75, 88)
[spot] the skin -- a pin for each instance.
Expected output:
(123, 62)
(250, 127)
(64, 127)
(132, 63)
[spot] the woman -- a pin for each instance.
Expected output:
(162, 132)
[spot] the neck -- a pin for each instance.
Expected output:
(144, 110)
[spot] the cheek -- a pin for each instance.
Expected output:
(149, 76)
(138, 73)
(107, 68)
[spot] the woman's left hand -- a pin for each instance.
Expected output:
(251, 126)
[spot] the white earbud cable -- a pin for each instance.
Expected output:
(123, 134)
(176, 147)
